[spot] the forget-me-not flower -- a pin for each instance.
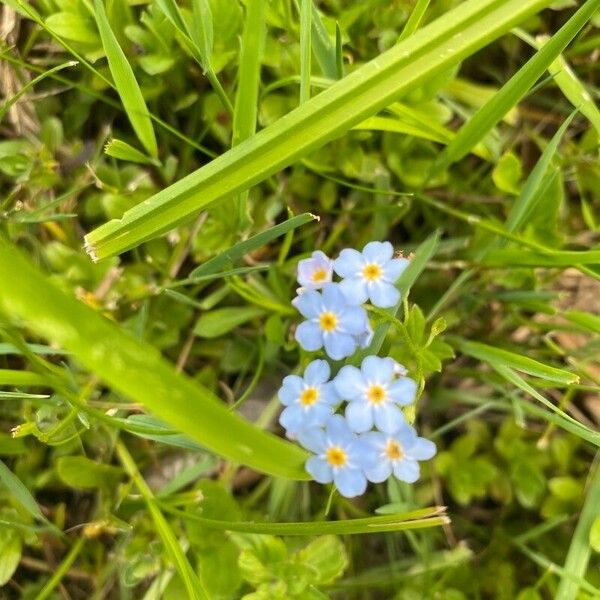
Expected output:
(331, 322)
(397, 453)
(309, 400)
(315, 272)
(374, 394)
(340, 456)
(370, 274)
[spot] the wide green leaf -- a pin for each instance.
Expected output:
(370, 88)
(138, 371)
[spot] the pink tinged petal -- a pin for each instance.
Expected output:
(349, 263)
(309, 336)
(290, 390)
(378, 251)
(403, 391)
(313, 440)
(394, 268)
(319, 469)
(317, 372)
(383, 295)
(359, 416)
(422, 449)
(377, 369)
(350, 482)
(379, 472)
(349, 383)
(354, 291)
(407, 470)
(309, 304)
(388, 417)
(339, 345)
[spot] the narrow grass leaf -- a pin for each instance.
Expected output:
(422, 518)
(133, 367)
(20, 492)
(123, 151)
(322, 46)
(428, 52)
(306, 7)
(201, 31)
(18, 378)
(525, 258)
(579, 552)
(190, 580)
(499, 357)
(229, 257)
(516, 88)
(586, 321)
(414, 21)
(222, 320)
(125, 82)
(530, 196)
(576, 427)
(61, 570)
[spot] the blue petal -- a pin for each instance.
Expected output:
(378, 251)
(375, 439)
(333, 299)
(354, 320)
(405, 435)
(349, 383)
(394, 268)
(407, 470)
(317, 372)
(338, 433)
(359, 416)
(349, 263)
(403, 391)
(309, 304)
(379, 472)
(388, 417)
(354, 290)
(309, 336)
(377, 369)
(318, 415)
(363, 454)
(313, 439)
(350, 482)
(364, 338)
(422, 449)
(293, 419)
(339, 345)
(328, 394)
(319, 469)
(291, 387)
(383, 294)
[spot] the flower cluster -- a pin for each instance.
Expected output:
(369, 439)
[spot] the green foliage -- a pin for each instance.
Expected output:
(139, 446)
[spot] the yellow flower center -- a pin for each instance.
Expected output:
(394, 450)
(376, 394)
(372, 272)
(319, 275)
(328, 321)
(336, 457)
(309, 396)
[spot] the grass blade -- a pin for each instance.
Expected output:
(305, 49)
(428, 52)
(61, 570)
(191, 581)
(324, 50)
(18, 378)
(132, 368)
(499, 357)
(229, 257)
(416, 16)
(511, 93)
(525, 258)
(125, 82)
(579, 549)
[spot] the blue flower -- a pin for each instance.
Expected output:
(397, 453)
(371, 274)
(340, 456)
(309, 400)
(331, 322)
(374, 393)
(315, 272)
